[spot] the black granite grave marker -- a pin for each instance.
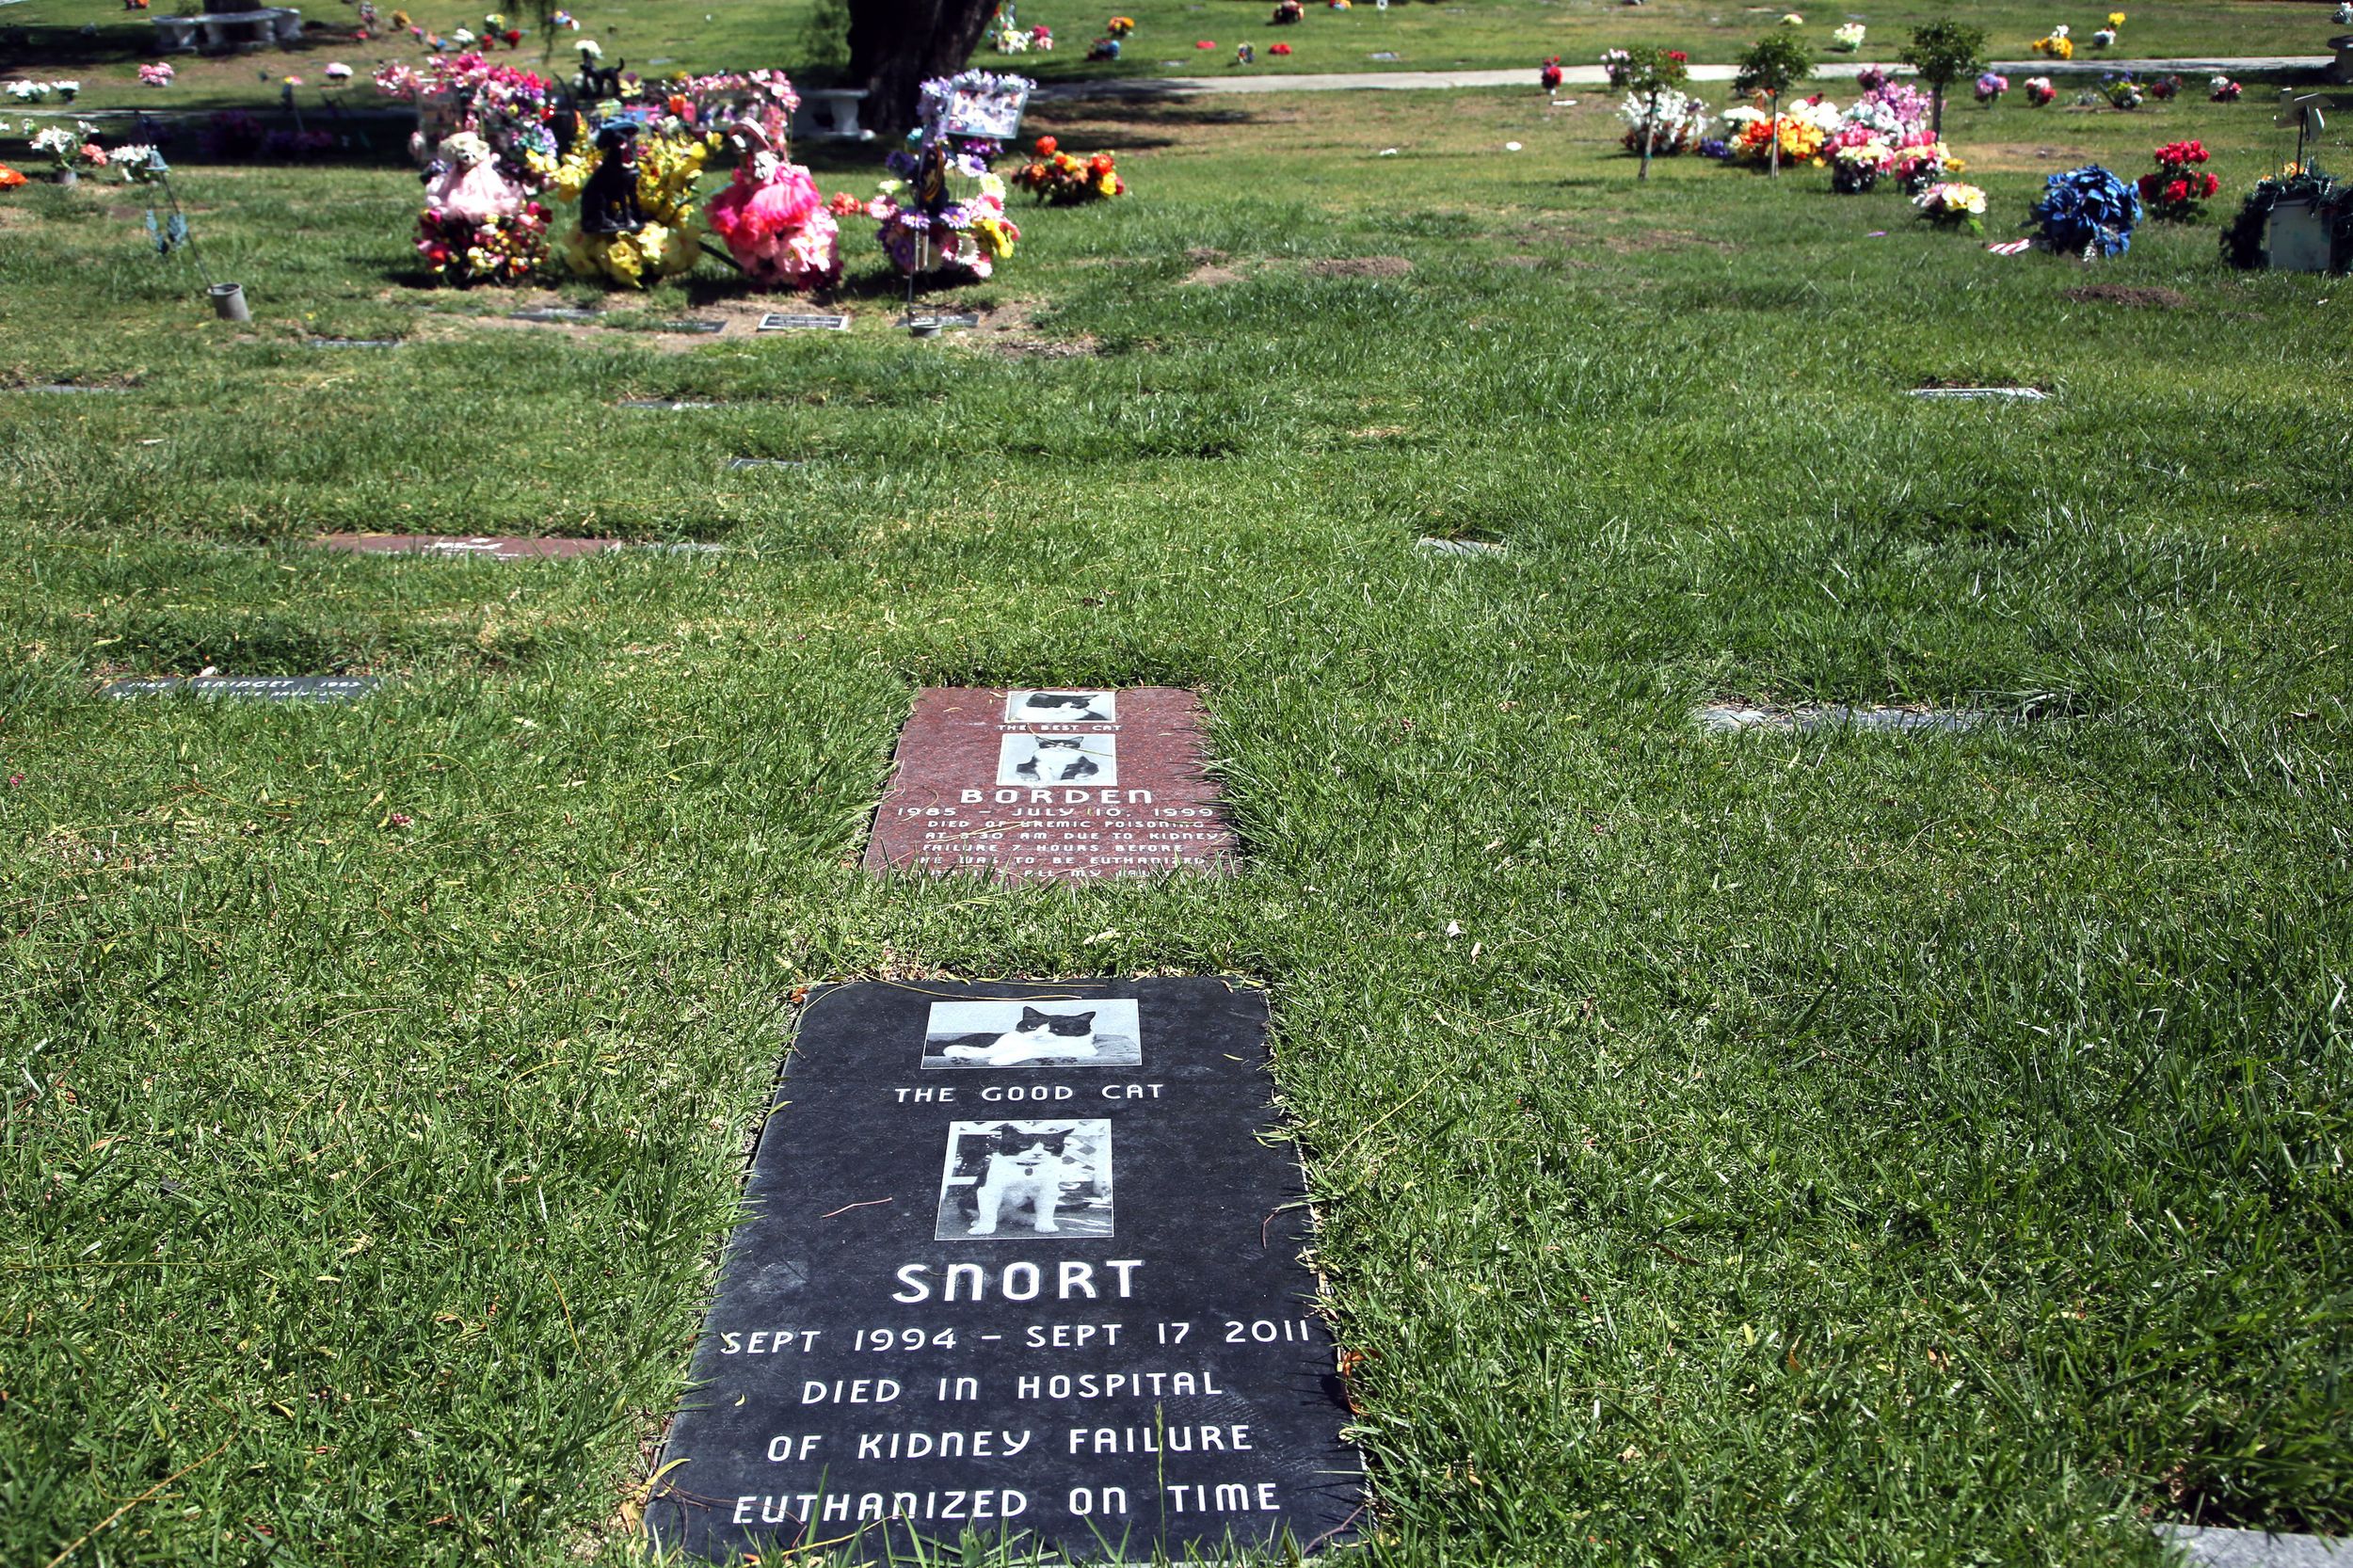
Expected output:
(695, 326)
(1019, 1264)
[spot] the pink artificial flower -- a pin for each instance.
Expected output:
(14, 779)
(401, 819)
(1205, 43)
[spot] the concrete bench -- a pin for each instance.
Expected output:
(228, 32)
(830, 113)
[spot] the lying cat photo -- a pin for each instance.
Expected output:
(1088, 759)
(1026, 1178)
(1025, 1033)
(1062, 708)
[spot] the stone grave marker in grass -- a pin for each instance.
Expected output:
(477, 546)
(803, 321)
(2023, 394)
(249, 688)
(556, 312)
(694, 327)
(1064, 785)
(2211, 1547)
(351, 343)
(66, 387)
(1457, 546)
(1722, 718)
(667, 404)
(1020, 1262)
(767, 462)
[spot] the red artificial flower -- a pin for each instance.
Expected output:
(2177, 190)
(845, 205)
(1099, 164)
(1679, 56)
(2208, 184)
(1046, 146)
(513, 37)
(1205, 43)
(10, 178)
(1279, 49)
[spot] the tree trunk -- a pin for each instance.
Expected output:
(1936, 109)
(1774, 153)
(1650, 135)
(895, 45)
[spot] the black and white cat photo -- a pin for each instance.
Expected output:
(1024, 1034)
(1062, 708)
(1012, 1179)
(1048, 759)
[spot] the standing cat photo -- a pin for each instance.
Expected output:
(1028, 1033)
(1062, 708)
(1088, 759)
(1018, 1179)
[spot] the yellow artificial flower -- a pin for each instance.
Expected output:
(2116, 19)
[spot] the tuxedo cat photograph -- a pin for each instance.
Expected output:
(1020, 1034)
(1062, 708)
(1014, 1181)
(1087, 759)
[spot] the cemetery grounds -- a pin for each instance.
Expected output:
(1841, 1147)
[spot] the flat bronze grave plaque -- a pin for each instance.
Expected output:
(1065, 784)
(250, 688)
(450, 545)
(1018, 1263)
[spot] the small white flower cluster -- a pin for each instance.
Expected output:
(28, 91)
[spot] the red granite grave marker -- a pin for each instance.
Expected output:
(1065, 784)
(494, 549)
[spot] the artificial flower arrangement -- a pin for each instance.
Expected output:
(2164, 89)
(1991, 85)
(1680, 127)
(1061, 179)
(1104, 48)
(772, 220)
(2087, 212)
(1549, 74)
(64, 148)
(1804, 130)
(634, 188)
(2221, 90)
(1949, 205)
(480, 225)
(1856, 168)
(2344, 14)
(2039, 92)
(28, 91)
(2056, 44)
(952, 235)
(2103, 37)
(1846, 40)
(156, 73)
(2120, 91)
(1616, 63)
(510, 108)
(10, 178)
(1923, 162)
(1336, 4)
(1120, 27)
(1278, 49)
(2178, 188)
(1286, 12)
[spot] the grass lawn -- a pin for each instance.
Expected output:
(711, 34)
(1849, 1148)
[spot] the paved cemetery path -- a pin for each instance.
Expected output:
(1241, 80)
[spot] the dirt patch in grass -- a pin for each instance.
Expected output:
(1209, 277)
(1361, 266)
(2121, 294)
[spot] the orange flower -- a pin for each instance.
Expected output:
(10, 178)
(1045, 145)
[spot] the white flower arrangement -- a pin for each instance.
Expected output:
(1682, 123)
(1846, 40)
